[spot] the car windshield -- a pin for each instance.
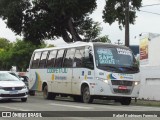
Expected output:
(7, 77)
(115, 58)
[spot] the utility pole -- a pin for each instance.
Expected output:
(127, 23)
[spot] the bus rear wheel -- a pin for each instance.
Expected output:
(86, 97)
(125, 101)
(48, 95)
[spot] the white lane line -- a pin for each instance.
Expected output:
(14, 108)
(73, 106)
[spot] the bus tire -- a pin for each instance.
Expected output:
(32, 92)
(86, 97)
(48, 95)
(125, 101)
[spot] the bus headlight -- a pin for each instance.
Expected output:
(106, 81)
(101, 79)
(136, 83)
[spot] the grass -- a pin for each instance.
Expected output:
(140, 102)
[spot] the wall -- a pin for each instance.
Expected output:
(150, 83)
(150, 70)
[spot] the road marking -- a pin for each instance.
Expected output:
(73, 106)
(14, 108)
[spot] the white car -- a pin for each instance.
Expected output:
(12, 88)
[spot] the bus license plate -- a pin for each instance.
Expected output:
(122, 87)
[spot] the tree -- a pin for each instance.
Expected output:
(114, 10)
(45, 19)
(38, 20)
(4, 43)
(119, 10)
(19, 54)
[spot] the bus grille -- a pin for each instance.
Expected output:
(122, 82)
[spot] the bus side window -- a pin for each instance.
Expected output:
(51, 58)
(35, 61)
(59, 58)
(88, 61)
(42, 62)
(68, 60)
(79, 55)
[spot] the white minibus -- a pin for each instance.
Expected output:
(85, 71)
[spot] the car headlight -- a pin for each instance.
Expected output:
(24, 87)
(136, 83)
(101, 79)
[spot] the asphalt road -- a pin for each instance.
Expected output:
(66, 105)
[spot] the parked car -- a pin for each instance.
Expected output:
(20, 76)
(16, 75)
(23, 75)
(12, 88)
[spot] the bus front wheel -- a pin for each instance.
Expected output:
(125, 101)
(86, 97)
(48, 95)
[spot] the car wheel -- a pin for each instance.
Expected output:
(23, 99)
(86, 97)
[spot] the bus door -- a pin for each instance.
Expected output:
(82, 68)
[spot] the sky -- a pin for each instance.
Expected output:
(145, 22)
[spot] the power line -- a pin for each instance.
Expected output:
(150, 12)
(150, 5)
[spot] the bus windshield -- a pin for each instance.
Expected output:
(118, 59)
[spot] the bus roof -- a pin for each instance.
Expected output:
(79, 44)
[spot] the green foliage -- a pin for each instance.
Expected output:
(46, 19)
(4, 43)
(89, 29)
(104, 39)
(18, 54)
(50, 46)
(38, 20)
(115, 11)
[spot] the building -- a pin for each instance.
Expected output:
(150, 66)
